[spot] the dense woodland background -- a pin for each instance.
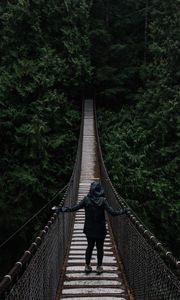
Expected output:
(52, 52)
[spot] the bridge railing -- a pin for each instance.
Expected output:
(150, 268)
(38, 272)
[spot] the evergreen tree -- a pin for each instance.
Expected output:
(139, 130)
(141, 141)
(44, 58)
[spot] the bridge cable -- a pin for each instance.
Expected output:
(34, 216)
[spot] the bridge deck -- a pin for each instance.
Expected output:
(109, 284)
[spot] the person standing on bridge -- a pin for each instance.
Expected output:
(95, 205)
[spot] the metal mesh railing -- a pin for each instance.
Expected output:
(40, 279)
(150, 269)
(38, 272)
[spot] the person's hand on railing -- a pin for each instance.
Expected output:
(58, 209)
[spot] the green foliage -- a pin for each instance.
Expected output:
(117, 32)
(44, 66)
(50, 51)
(141, 141)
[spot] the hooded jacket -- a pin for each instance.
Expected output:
(95, 205)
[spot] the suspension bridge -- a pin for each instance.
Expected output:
(136, 265)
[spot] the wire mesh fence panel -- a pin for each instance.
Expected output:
(147, 274)
(40, 279)
(149, 277)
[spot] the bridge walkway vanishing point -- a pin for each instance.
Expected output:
(108, 285)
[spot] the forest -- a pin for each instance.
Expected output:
(54, 53)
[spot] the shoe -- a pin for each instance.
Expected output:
(88, 268)
(99, 269)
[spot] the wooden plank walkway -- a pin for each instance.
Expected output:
(77, 284)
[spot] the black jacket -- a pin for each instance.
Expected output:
(95, 205)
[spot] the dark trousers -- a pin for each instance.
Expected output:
(89, 250)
